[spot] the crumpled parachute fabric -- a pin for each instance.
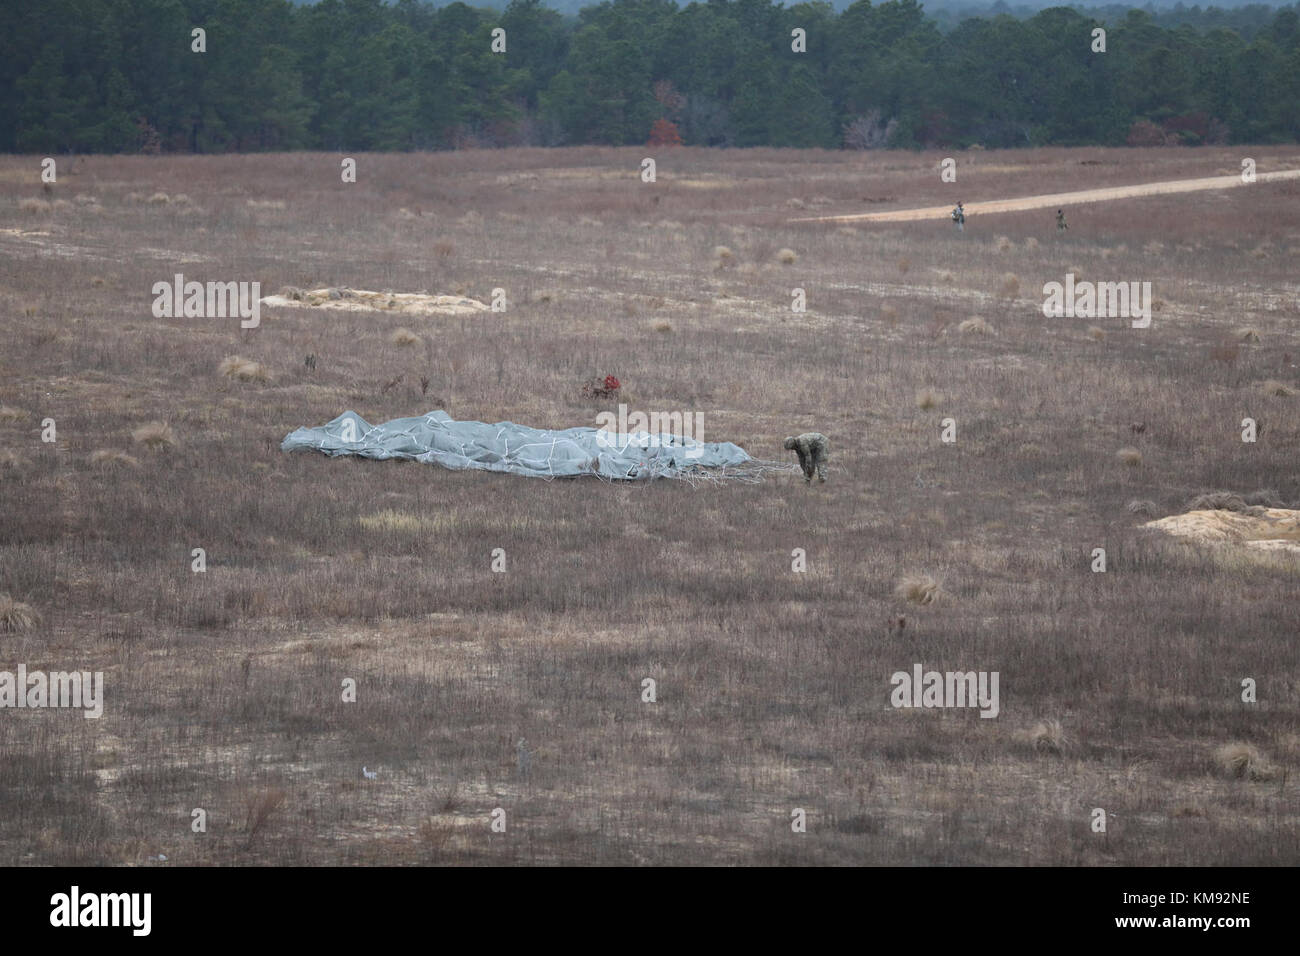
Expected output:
(517, 449)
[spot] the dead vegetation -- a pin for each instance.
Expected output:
(974, 326)
(917, 589)
(155, 436)
(16, 616)
(1243, 761)
(773, 690)
(242, 369)
(405, 338)
(363, 300)
(1255, 503)
(113, 458)
(1045, 737)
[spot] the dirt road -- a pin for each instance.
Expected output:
(1059, 199)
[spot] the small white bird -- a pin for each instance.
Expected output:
(369, 774)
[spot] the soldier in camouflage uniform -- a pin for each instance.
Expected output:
(814, 451)
(959, 217)
(1060, 221)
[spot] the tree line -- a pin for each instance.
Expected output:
(123, 76)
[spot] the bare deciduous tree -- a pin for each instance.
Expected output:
(869, 131)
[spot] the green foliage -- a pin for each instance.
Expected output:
(119, 75)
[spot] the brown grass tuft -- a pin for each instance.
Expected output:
(159, 199)
(1004, 244)
(1129, 456)
(245, 370)
(1253, 504)
(10, 414)
(1046, 737)
(927, 398)
(16, 616)
(787, 256)
(1242, 761)
(917, 589)
(975, 326)
(1247, 334)
(111, 458)
(1010, 286)
(1277, 389)
(405, 337)
(1096, 333)
(35, 207)
(156, 436)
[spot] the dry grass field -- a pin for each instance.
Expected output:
(1119, 690)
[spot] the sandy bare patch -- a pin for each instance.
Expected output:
(704, 182)
(359, 300)
(1058, 199)
(1273, 529)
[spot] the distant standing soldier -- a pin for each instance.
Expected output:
(959, 218)
(1060, 221)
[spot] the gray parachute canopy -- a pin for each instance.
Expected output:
(520, 450)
